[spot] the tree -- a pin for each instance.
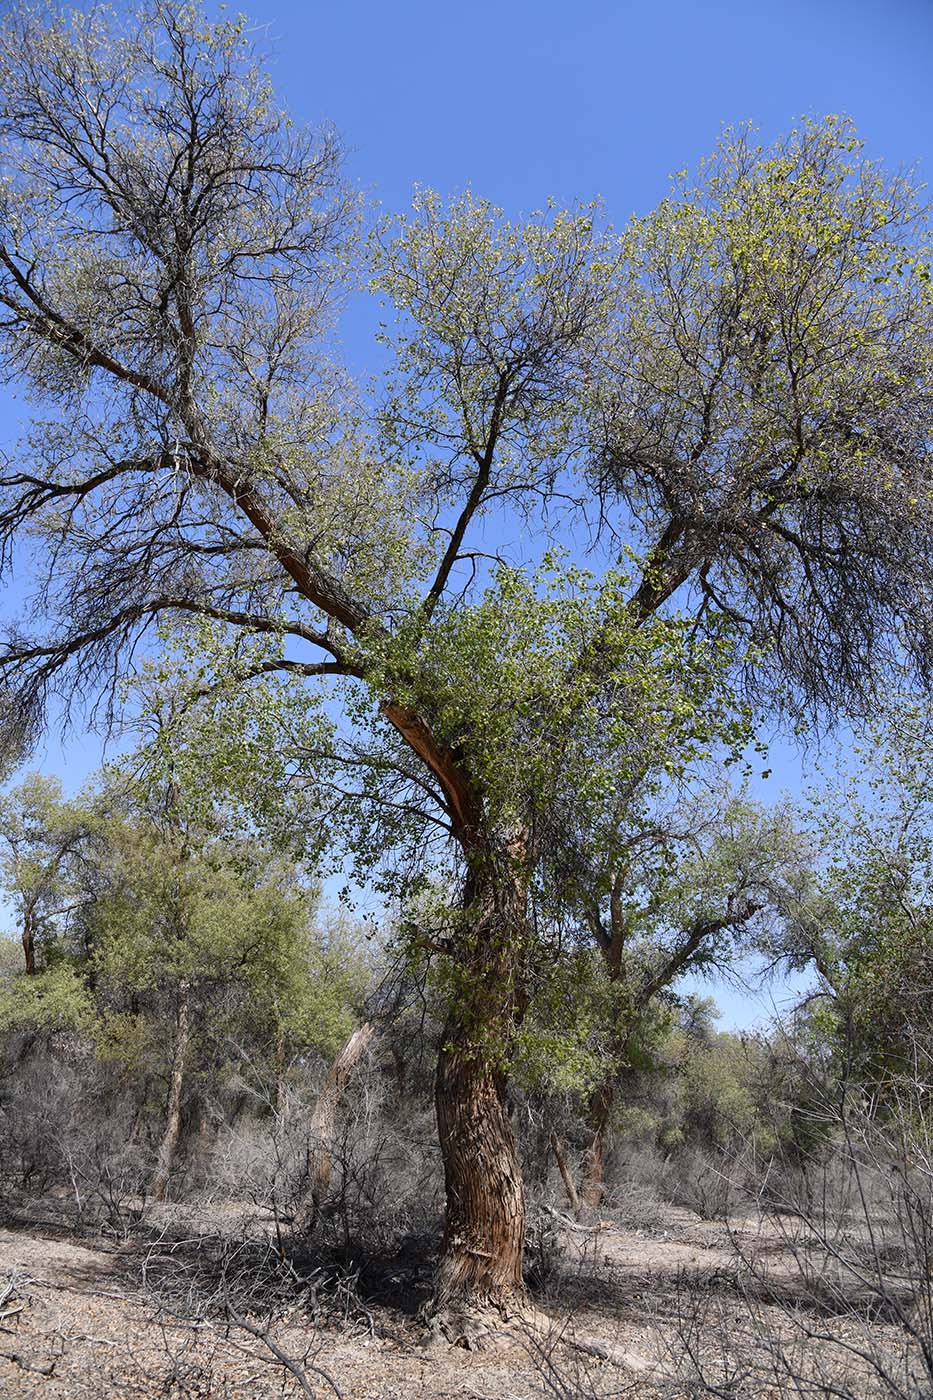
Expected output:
(180, 921)
(744, 378)
(42, 841)
(167, 914)
(766, 405)
(866, 929)
(662, 889)
(197, 897)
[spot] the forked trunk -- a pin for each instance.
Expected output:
(169, 1143)
(484, 1231)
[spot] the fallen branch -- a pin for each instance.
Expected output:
(574, 1225)
(28, 1365)
(537, 1326)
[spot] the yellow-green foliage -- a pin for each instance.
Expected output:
(800, 248)
(561, 1046)
(711, 1100)
(215, 922)
(553, 691)
(55, 999)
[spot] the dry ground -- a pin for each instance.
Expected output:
(84, 1320)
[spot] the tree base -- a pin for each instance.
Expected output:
(473, 1327)
(484, 1326)
(475, 1321)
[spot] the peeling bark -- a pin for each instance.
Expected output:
(484, 1230)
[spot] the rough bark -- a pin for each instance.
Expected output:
(484, 1229)
(322, 1130)
(169, 1144)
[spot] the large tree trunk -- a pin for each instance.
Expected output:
(484, 1231)
(169, 1143)
(322, 1130)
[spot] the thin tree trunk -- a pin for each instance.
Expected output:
(281, 1088)
(322, 1130)
(135, 1125)
(599, 1114)
(566, 1175)
(169, 1143)
(599, 1109)
(29, 942)
(400, 1063)
(484, 1230)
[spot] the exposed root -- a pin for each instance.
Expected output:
(485, 1326)
(540, 1328)
(476, 1327)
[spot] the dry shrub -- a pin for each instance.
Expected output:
(68, 1137)
(387, 1183)
(849, 1312)
(701, 1182)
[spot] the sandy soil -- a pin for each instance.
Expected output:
(79, 1323)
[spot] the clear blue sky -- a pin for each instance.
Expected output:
(523, 100)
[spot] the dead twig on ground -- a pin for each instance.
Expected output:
(298, 1369)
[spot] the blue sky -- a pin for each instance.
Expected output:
(522, 101)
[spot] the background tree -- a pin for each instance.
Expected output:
(662, 889)
(43, 840)
(203, 905)
(189, 926)
(745, 378)
(177, 926)
(867, 929)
